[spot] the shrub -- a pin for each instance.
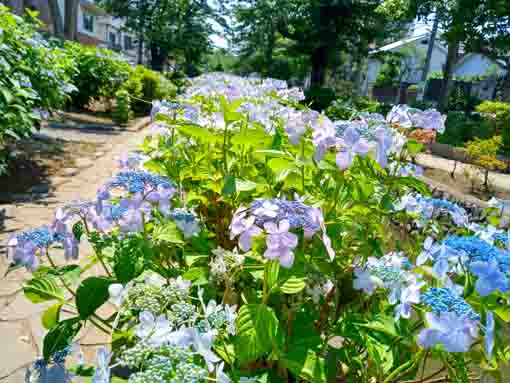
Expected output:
(32, 76)
(145, 85)
(461, 128)
(319, 98)
(499, 113)
(483, 154)
(100, 72)
(122, 113)
(345, 109)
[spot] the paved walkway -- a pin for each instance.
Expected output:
(21, 331)
(498, 180)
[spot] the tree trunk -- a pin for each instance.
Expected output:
(319, 65)
(70, 19)
(451, 60)
(358, 75)
(56, 18)
(268, 53)
(140, 50)
(428, 58)
(158, 57)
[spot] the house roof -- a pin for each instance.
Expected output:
(467, 56)
(400, 43)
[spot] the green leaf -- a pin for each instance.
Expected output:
(8, 96)
(49, 318)
(416, 184)
(60, 336)
(43, 289)
(92, 294)
(242, 185)
(306, 364)
(257, 327)
(169, 232)
(293, 285)
(414, 147)
(503, 312)
(198, 275)
(229, 187)
(271, 271)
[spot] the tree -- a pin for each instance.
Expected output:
(56, 17)
(70, 19)
(167, 26)
(462, 21)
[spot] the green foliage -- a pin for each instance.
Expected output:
(345, 109)
(122, 112)
(500, 113)
(92, 294)
(60, 336)
(145, 86)
(43, 289)
(461, 128)
(257, 328)
(100, 72)
(390, 72)
(319, 98)
(483, 154)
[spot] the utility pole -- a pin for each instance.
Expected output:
(430, 50)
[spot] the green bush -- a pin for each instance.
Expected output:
(145, 86)
(499, 113)
(345, 109)
(319, 98)
(461, 128)
(122, 112)
(100, 72)
(33, 76)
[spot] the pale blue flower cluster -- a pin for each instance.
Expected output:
(427, 209)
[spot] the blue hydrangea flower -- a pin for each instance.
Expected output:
(138, 182)
(455, 332)
(441, 299)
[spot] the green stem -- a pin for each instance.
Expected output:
(225, 135)
(403, 368)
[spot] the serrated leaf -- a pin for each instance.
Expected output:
(168, 232)
(39, 290)
(92, 294)
(271, 271)
(293, 285)
(60, 336)
(49, 318)
(257, 328)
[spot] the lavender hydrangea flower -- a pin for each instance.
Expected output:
(280, 243)
(24, 248)
(352, 144)
(384, 142)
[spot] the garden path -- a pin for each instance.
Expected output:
(497, 180)
(21, 331)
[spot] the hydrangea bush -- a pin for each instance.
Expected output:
(254, 240)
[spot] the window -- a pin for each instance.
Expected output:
(88, 22)
(128, 43)
(424, 42)
(112, 37)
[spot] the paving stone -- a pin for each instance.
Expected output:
(20, 352)
(83, 162)
(69, 172)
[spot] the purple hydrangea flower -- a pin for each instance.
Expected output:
(352, 144)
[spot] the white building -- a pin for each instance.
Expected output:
(414, 49)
